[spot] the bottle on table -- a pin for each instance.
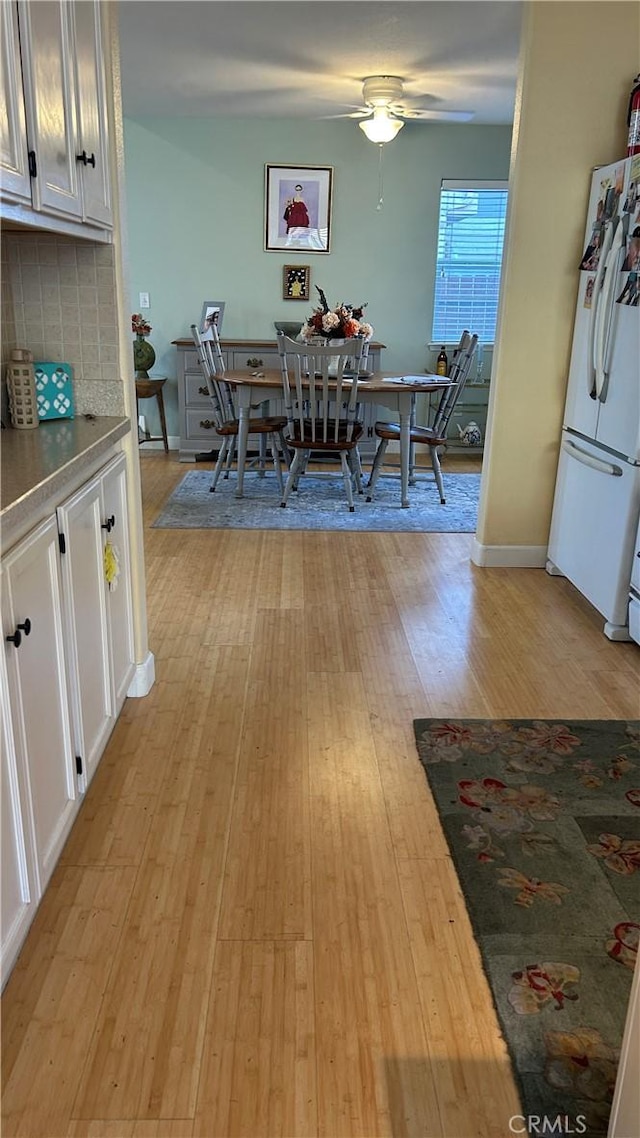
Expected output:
(442, 363)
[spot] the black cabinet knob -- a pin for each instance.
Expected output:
(86, 159)
(16, 638)
(203, 391)
(109, 524)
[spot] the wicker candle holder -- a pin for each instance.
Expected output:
(21, 387)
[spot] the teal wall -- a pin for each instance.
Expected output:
(195, 221)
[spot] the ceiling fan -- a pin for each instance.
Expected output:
(385, 112)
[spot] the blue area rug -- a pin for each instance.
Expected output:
(320, 504)
(542, 821)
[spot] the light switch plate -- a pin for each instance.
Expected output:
(144, 300)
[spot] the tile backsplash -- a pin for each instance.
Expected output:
(59, 301)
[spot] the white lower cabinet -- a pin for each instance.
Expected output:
(19, 879)
(98, 614)
(68, 662)
(45, 775)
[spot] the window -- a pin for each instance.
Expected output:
(469, 259)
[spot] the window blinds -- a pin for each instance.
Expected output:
(469, 259)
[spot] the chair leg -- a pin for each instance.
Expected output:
(262, 449)
(376, 468)
(355, 465)
(412, 464)
(276, 462)
(233, 442)
(305, 455)
(357, 469)
(219, 463)
(435, 462)
(346, 475)
(293, 476)
(287, 455)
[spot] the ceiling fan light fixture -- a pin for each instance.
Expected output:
(382, 127)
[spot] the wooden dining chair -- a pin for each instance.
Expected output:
(321, 395)
(433, 436)
(225, 417)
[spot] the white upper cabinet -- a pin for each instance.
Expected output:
(93, 144)
(16, 183)
(56, 117)
(45, 36)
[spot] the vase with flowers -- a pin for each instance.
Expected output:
(144, 355)
(339, 323)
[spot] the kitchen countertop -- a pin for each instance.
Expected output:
(40, 464)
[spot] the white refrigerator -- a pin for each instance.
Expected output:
(597, 497)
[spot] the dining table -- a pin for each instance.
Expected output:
(393, 391)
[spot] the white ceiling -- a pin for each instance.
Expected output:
(307, 58)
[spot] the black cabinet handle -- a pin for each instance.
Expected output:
(203, 391)
(109, 524)
(15, 639)
(86, 160)
(26, 627)
(207, 424)
(254, 362)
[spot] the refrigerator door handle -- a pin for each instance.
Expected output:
(605, 313)
(590, 460)
(607, 238)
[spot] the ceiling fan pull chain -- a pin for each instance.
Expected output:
(380, 185)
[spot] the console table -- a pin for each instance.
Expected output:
(197, 433)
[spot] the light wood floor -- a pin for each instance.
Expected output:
(255, 928)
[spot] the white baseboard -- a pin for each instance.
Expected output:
(157, 444)
(143, 678)
(509, 556)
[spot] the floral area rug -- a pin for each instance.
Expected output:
(321, 504)
(543, 824)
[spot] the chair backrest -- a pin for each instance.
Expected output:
(314, 377)
(211, 362)
(458, 374)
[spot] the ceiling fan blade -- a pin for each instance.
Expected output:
(361, 114)
(437, 116)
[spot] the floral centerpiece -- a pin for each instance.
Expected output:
(339, 323)
(139, 325)
(144, 355)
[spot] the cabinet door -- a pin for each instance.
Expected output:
(93, 134)
(50, 96)
(16, 183)
(18, 878)
(38, 691)
(118, 581)
(86, 622)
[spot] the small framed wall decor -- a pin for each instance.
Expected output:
(212, 313)
(295, 282)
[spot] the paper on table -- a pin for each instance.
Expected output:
(408, 379)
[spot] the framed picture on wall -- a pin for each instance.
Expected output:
(295, 282)
(297, 208)
(212, 313)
